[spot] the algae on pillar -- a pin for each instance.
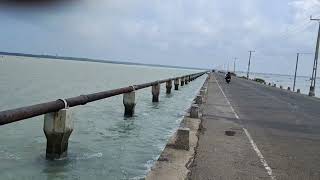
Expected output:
(58, 127)
(129, 102)
(168, 86)
(176, 84)
(155, 92)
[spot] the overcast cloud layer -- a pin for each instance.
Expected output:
(201, 33)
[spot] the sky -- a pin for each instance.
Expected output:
(201, 33)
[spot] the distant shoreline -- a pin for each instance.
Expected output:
(94, 60)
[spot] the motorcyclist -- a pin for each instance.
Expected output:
(228, 77)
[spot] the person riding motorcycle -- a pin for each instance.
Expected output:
(228, 77)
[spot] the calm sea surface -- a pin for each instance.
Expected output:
(103, 145)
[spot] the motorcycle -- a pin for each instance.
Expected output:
(228, 79)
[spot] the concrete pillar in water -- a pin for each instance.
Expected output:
(274, 85)
(57, 127)
(199, 99)
(182, 139)
(186, 80)
(269, 84)
(168, 86)
(176, 84)
(129, 102)
(289, 89)
(155, 92)
(194, 111)
(298, 91)
(281, 87)
(182, 81)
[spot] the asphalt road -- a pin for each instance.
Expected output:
(284, 126)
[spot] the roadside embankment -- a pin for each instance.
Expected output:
(178, 155)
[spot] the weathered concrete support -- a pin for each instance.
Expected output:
(129, 102)
(194, 111)
(182, 81)
(311, 91)
(57, 127)
(155, 93)
(199, 99)
(203, 92)
(269, 84)
(298, 91)
(186, 80)
(182, 139)
(176, 84)
(168, 86)
(289, 89)
(274, 85)
(281, 87)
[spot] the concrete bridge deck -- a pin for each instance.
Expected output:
(277, 133)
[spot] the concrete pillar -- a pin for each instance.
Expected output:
(168, 86)
(182, 81)
(289, 89)
(155, 93)
(298, 91)
(274, 85)
(311, 91)
(176, 84)
(186, 80)
(182, 139)
(269, 84)
(57, 127)
(202, 92)
(129, 102)
(281, 87)
(199, 99)
(194, 111)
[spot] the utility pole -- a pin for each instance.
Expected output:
(295, 72)
(315, 62)
(234, 65)
(249, 64)
(228, 67)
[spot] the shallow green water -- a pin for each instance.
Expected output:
(103, 145)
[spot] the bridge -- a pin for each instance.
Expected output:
(241, 130)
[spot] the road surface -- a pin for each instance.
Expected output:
(277, 133)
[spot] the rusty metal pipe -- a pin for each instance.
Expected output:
(13, 115)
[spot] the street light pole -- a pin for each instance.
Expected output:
(315, 63)
(249, 64)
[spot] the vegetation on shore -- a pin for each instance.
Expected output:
(259, 80)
